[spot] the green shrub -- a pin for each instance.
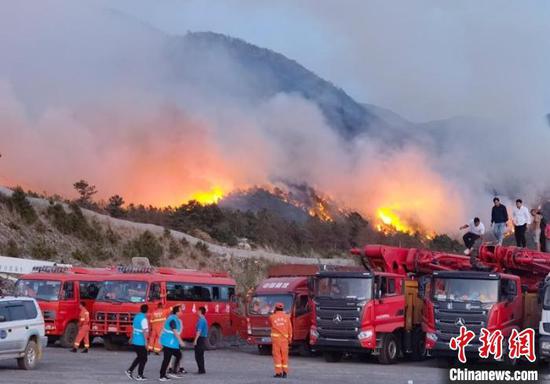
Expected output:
(19, 203)
(145, 245)
(202, 247)
(42, 251)
(12, 249)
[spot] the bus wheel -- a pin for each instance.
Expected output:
(68, 337)
(215, 337)
(333, 357)
(264, 350)
(390, 349)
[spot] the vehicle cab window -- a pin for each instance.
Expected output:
(302, 305)
(68, 290)
(154, 292)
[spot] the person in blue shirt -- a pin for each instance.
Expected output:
(171, 342)
(140, 335)
(200, 340)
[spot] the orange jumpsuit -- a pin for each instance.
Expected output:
(83, 329)
(281, 336)
(158, 317)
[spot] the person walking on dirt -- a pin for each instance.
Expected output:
(83, 330)
(140, 335)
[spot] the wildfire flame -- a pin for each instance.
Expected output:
(209, 197)
(390, 220)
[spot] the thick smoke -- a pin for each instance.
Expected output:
(89, 93)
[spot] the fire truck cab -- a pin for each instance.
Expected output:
(59, 291)
(294, 294)
(474, 299)
(366, 313)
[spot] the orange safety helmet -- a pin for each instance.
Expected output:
(279, 306)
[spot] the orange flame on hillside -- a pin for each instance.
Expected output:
(213, 196)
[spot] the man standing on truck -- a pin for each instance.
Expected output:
(521, 218)
(499, 218)
(200, 340)
(140, 334)
(281, 336)
(158, 317)
(83, 330)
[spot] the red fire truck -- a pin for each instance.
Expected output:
(493, 290)
(288, 284)
(122, 295)
(58, 291)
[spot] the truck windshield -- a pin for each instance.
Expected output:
(123, 291)
(546, 302)
(44, 290)
(462, 290)
(344, 288)
(265, 304)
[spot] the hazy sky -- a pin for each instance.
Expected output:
(425, 59)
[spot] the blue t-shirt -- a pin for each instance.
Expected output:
(202, 327)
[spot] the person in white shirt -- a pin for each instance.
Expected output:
(521, 218)
(476, 229)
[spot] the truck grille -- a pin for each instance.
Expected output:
(114, 317)
(338, 319)
(450, 316)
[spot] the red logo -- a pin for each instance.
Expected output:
(522, 344)
(491, 343)
(460, 342)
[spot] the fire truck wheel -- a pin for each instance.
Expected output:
(305, 349)
(214, 337)
(333, 357)
(67, 339)
(52, 340)
(264, 350)
(29, 360)
(389, 352)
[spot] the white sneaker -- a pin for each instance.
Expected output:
(141, 378)
(129, 374)
(172, 376)
(467, 251)
(164, 379)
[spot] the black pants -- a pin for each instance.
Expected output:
(470, 239)
(199, 353)
(519, 232)
(140, 359)
(168, 353)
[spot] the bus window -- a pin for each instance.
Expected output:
(216, 293)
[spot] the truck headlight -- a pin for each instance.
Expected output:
(431, 336)
(313, 333)
(365, 334)
(545, 345)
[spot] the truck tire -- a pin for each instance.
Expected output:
(215, 337)
(32, 353)
(333, 357)
(67, 339)
(418, 345)
(305, 349)
(264, 350)
(389, 352)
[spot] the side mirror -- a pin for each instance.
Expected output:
(2, 318)
(378, 294)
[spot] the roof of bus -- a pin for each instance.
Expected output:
(180, 277)
(65, 276)
(281, 285)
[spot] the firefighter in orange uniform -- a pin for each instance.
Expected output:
(158, 317)
(83, 329)
(281, 336)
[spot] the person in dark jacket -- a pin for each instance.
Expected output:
(499, 218)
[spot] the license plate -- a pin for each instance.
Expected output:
(111, 329)
(266, 339)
